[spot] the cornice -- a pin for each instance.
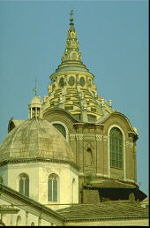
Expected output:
(37, 159)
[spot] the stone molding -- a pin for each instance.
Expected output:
(98, 137)
(128, 143)
(105, 137)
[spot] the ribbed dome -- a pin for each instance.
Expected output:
(35, 138)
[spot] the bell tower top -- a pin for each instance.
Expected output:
(35, 106)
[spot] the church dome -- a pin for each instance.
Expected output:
(35, 138)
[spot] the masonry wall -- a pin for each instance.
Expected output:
(90, 144)
(26, 215)
(38, 173)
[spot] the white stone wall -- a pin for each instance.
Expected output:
(38, 181)
(4, 174)
(26, 217)
(66, 174)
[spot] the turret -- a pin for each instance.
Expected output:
(35, 106)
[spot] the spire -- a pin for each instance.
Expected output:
(71, 52)
(35, 89)
(71, 59)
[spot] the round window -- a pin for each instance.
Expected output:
(53, 86)
(61, 82)
(89, 82)
(71, 81)
(82, 81)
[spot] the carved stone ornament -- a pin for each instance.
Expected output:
(130, 144)
(98, 137)
(105, 138)
(79, 136)
(90, 145)
(72, 136)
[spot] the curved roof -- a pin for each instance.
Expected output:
(36, 100)
(108, 115)
(104, 210)
(71, 68)
(35, 138)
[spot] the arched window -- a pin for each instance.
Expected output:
(18, 220)
(24, 184)
(1, 180)
(116, 148)
(1, 223)
(60, 128)
(73, 189)
(53, 187)
(89, 157)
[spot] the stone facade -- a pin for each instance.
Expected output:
(18, 210)
(38, 173)
(90, 145)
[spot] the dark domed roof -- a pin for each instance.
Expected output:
(35, 138)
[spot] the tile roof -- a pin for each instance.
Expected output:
(104, 210)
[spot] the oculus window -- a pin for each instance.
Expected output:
(71, 81)
(61, 82)
(82, 81)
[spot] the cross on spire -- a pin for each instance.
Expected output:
(71, 17)
(35, 90)
(71, 13)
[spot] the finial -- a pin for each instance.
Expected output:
(35, 90)
(71, 13)
(71, 17)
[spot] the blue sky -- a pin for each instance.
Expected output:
(113, 38)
